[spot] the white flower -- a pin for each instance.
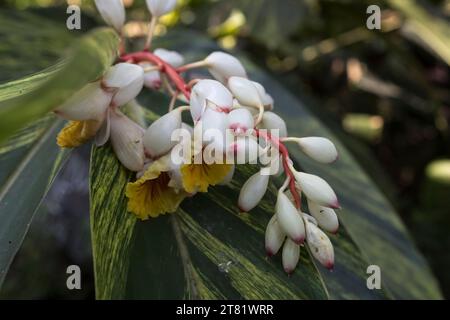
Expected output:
(128, 79)
(90, 103)
(274, 237)
(113, 12)
(320, 245)
(158, 137)
(245, 92)
(222, 66)
(319, 149)
(152, 79)
(159, 8)
(326, 217)
(173, 58)
(209, 93)
(245, 150)
(272, 121)
(316, 189)
(266, 99)
(253, 191)
(289, 219)
(240, 121)
(126, 139)
(290, 256)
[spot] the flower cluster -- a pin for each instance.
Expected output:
(231, 122)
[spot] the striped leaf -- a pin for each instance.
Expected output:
(208, 250)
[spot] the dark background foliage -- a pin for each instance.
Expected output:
(386, 94)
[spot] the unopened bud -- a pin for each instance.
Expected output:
(274, 237)
(253, 191)
(316, 189)
(159, 8)
(290, 256)
(320, 245)
(272, 121)
(240, 121)
(128, 79)
(209, 91)
(113, 12)
(222, 66)
(245, 150)
(326, 217)
(289, 218)
(126, 140)
(244, 91)
(319, 149)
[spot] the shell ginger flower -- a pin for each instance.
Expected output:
(76, 133)
(151, 195)
(198, 177)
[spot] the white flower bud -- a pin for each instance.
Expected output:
(320, 245)
(245, 150)
(158, 137)
(289, 219)
(113, 12)
(152, 79)
(159, 8)
(209, 91)
(319, 149)
(128, 79)
(290, 256)
(326, 217)
(265, 98)
(272, 121)
(126, 140)
(240, 121)
(222, 66)
(90, 103)
(245, 91)
(316, 189)
(274, 237)
(253, 191)
(173, 58)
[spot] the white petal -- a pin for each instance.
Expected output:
(222, 66)
(102, 136)
(128, 79)
(253, 191)
(240, 121)
(113, 12)
(320, 245)
(316, 189)
(326, 217)
(212, 91)
(90, 103)
(319, 149)
(159, 8)
(152, 79)
(290, 256)
(126, 140)
(245, 150)
(289, 219)
(244, 91)
(171, 57)
(274, 237)
(158, 137)
(272, 121)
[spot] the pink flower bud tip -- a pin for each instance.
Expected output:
(336, 205)
(330, 265)
(289, 272)
(299, 241)
(269, 253)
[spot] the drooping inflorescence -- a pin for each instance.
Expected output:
(232, 123)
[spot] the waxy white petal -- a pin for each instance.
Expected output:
(289, 218)
(253, 191)
(266, 99)
(290, 256)
(320, 245)
(209, 91)
(173, 58)
(274, 237)
(159, 8)
(326, 217)
(319, 149)
(317, 190)
(113, 12)
(128, 79)
(222, 66)
(126, 140)
(245, 150)
(90, 103)
(240, 121)
(244, 91)
(272, 121)
(158, 137)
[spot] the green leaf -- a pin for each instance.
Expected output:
(208, 250)
(88, 59)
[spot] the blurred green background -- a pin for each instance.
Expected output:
(385, 93)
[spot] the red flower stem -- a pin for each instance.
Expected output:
(166, 68)
(285, 157)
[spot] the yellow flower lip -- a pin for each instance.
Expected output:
(151, 195)
(76, 133)
(198, 177)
